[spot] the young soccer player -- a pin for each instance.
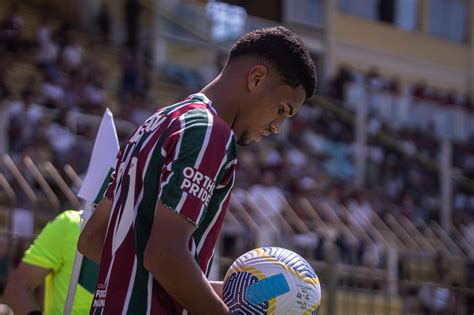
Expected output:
(155, 231)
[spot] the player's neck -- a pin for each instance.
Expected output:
(223, 100)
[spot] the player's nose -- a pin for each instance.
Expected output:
(275, 126)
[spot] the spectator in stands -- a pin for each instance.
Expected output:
(338, 84)
(74, 90)
(40, 150)
(419, 91)
(373, 80)
(295, 157)
(393, 86)
(52, 93)
(333, 197)
(436, 298)
(269, 200)
(44, 33)
(71, 55)
(47, 54)
(11, 30)
(60, 139)
(24, 118)
(372, 253)
(137, 109)
(94, 97)
(130, 77)
(360, 209)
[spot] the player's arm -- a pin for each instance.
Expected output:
(218, 287)
(92, 236)
(19, 293)
(167, 257)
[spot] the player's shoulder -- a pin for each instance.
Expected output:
(197, 112)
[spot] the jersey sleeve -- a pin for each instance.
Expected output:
(48, 247)
(195, 156)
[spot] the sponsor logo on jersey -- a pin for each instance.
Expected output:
(197, 184)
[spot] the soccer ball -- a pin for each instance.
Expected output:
(271, 280)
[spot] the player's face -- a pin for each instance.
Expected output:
(270, 107)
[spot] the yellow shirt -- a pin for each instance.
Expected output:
(55, 249)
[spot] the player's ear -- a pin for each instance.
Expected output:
(256, 76)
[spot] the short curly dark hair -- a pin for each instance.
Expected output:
(284, 50)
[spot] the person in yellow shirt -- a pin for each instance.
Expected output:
(50, 259)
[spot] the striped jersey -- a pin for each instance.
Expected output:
(183, 156)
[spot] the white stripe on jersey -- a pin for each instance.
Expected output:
(149, 293)
(131, 283)
(226, 149)
(193, 247)
(176, 154)
(180, 204)
(128, 215)
(227, 167)
(206, 140)
(202, 152)
(201, 212)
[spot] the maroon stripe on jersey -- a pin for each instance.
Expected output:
(162, 303)
(117, 288)
(213, 161)
(187, 108)
(207, 249)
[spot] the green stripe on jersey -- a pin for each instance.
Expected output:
(195, 127)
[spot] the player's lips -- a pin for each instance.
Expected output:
(263, 133)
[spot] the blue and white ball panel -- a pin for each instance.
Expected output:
(282, 283)
(234, 292)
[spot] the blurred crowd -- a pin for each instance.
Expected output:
(430, 114)
(69, 80)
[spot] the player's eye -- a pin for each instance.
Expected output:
(281, 110)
